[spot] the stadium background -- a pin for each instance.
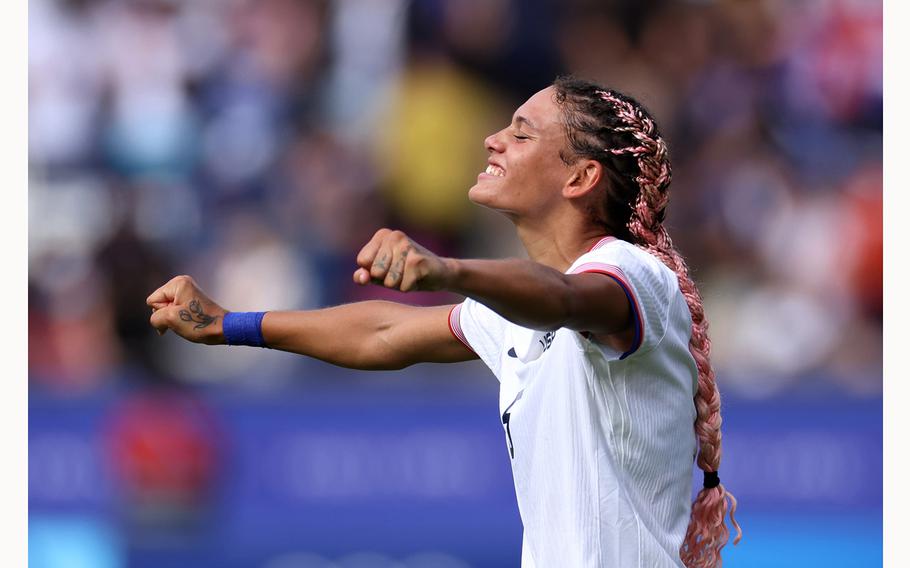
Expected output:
(257, 144)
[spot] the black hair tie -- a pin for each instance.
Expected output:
(711, 479)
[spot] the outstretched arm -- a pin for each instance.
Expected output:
(524, 292)
(368, 335)
(365, 335)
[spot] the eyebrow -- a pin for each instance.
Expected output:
(524, 120)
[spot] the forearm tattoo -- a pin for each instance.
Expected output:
(197, 315)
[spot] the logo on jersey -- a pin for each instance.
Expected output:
(546, 341)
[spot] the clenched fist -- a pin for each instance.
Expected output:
(395, 261)
(181, 306)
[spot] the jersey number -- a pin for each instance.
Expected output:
(505, 421)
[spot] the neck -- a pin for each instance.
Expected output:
(557, 243)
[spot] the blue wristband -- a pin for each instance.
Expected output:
(243, 328)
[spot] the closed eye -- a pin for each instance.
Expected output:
(520, 137)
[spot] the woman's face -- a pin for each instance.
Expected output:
(525, 173)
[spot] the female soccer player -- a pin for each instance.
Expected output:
(599, 340)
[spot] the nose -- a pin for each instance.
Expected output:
(494, 143)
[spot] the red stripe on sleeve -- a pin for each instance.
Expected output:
(455, 326)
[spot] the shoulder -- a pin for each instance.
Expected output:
(623, 257)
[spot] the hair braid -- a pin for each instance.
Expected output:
(615, 130)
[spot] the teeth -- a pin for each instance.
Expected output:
(495, 171)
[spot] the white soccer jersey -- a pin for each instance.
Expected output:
(602, 443)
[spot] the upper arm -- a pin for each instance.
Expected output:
(424, 335)
(601, 303)
(607, 308)
(635, 295)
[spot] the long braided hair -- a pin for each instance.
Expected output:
(618, 132)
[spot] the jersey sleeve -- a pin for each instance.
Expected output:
(648, 286)
(481, 330)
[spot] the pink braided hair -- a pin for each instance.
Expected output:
(707, 533)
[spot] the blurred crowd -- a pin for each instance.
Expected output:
(258, 144)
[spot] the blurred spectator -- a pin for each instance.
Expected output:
(72, 339)
(133, 268)
(431, 148)
(149, 121)
(65, 92)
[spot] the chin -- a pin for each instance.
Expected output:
(476, 195)
(489, 200)
(483, 198)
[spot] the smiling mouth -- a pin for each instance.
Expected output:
(495, 171)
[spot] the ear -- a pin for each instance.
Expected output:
(583, 178)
